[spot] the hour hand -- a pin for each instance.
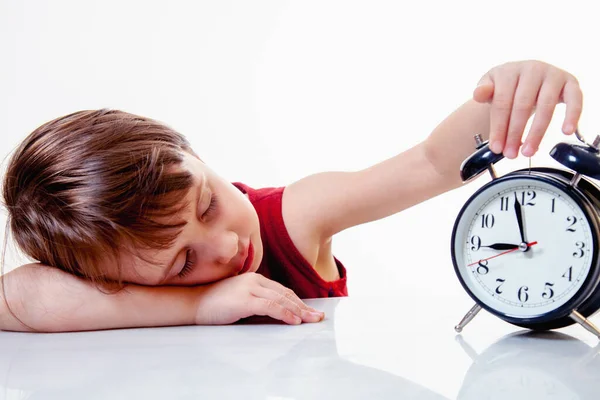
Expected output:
(502, 246)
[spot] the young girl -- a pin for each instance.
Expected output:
(132, 229)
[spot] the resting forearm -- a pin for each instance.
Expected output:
(49, 300)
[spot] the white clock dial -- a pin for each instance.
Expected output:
(555, 253)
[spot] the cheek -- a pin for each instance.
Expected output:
(245, 212)
(250, 217)
(239, 214)
(253, 229)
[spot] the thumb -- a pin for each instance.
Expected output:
(484, 92)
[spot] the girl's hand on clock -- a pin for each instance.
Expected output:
(517, 89)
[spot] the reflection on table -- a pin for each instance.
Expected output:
(533, 365)
(238, 361)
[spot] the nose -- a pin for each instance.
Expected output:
(226, 247)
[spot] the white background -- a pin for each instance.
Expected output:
(271, 91)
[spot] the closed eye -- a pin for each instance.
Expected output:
(188, 266)
(212, 207)
(189, 262)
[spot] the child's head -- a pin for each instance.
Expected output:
(108, 196)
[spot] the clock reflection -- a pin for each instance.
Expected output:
(533, 365)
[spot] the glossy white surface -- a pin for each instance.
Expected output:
(366, 348)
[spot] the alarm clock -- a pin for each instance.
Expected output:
(525, 245)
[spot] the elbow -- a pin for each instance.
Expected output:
(9, 321)
(436, 159)
(19, 309)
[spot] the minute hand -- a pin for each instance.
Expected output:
(519, 219)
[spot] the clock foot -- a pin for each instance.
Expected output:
(580, 319)
(467, 318)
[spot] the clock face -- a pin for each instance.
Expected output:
(524, 275)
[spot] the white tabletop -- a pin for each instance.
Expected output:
(366, 348)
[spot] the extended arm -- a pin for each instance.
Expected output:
(334, 201)
(327, 203)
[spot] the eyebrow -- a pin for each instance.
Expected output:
(199, 191)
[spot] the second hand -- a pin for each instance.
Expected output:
(501, 254)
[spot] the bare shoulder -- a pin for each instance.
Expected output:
(303, 226)
(317, 207)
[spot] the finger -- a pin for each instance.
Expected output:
(278, 287)
(573, 98)
(271, 308)
(289, 302)
(484, 91)
(501, 108)
(523, 105)
(544, 109)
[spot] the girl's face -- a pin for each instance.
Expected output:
(221, 237)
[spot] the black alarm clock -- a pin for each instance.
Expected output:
(525, 245)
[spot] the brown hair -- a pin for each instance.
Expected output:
(82, 186)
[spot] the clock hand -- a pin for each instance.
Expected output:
(519, 218)
(504, 252)
(502, 246)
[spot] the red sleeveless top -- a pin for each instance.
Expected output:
(282, 262)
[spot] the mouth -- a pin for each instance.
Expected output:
(248, 261)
